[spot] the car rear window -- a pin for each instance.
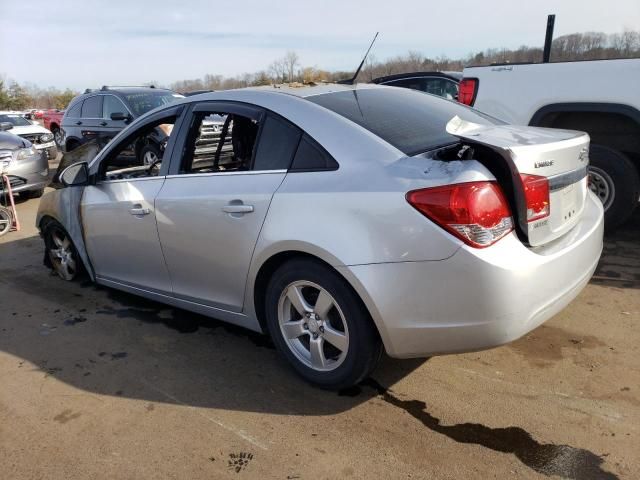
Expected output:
(143, 102)
(411, 121)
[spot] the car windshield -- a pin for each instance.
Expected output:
(409, 120)
(15, 119)
(142, 102)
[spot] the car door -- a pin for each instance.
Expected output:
(212, 205)
(91, 121)
(119, 214)
(112, 104)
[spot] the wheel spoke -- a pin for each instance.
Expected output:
(71, 264)
(317, 354)
(323, 304)
(335, 338)
(294, 294)
(65, 242)
(57, 240)
(294, 329)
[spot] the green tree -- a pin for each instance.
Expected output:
(61, 100)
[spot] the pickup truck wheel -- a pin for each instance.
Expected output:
(58, 137)
(320, 326)
(614, 179)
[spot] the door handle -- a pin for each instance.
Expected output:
(78, 123)
(104, 124)
(138, 210)
(237, 208)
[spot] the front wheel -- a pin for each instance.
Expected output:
(61, 253)
(320, 326)
(614, 180)
(58, 137)
(6, 220)
(150, 155)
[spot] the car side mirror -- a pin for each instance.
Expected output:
(4, 126)
(75, 175)
(120, 116)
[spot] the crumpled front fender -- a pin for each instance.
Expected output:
(64, 206)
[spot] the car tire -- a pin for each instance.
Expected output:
(615, 181)
(6, 220)
(149, 154)
(34, 193)
(58, 137)
(334, 343)
(60, 252)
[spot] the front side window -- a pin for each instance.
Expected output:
(410, 121)
(92, 107)
(140, 154)
(112, 104)
(220, 142)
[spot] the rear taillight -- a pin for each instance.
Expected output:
(536, 194)
(475, 212)
(467, 91)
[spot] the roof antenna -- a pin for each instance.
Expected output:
(352, 80)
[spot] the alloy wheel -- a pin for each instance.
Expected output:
(149, 158)
(62, 255)
(6, 219)
(313, 326)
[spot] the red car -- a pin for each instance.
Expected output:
(52, 120)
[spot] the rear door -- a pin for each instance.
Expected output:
(212, 206)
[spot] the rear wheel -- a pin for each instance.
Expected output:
(62, 255)
(320, 326)
(614, 180)
(149, 155)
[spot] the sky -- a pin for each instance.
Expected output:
(89, 43)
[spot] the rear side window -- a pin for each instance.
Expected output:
(278, 142)
(409, 120)
(74, 111)
(92, 107)
(112, 104)
(311, 157)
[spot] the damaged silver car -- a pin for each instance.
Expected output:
(343, 220)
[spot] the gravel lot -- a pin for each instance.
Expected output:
(95, 383)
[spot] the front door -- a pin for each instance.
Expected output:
(119, 215)
(211, 211)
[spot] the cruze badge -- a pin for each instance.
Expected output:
(544, 163)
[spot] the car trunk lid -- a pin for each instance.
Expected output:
(559, 156)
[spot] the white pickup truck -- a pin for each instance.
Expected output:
(599, 97)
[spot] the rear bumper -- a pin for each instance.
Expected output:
(478, 298)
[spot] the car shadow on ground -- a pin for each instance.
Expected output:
(108, 342)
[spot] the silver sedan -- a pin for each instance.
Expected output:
(342, 220)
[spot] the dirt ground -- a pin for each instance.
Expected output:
(95, 383)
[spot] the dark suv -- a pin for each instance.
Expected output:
(101, 114)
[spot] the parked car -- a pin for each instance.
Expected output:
(577, 96)
(442, 84)
(314, 217)
(26, 167)
(40, 137)
(105, 112)
(52, 120)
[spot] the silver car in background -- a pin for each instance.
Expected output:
(343, 220)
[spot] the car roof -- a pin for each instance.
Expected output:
(456, 76)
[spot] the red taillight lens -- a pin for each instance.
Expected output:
(536, 194)
(467, 91)
(475, 212)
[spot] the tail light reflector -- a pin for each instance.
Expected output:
(536, 193)
(467, 91)
(476, 212)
